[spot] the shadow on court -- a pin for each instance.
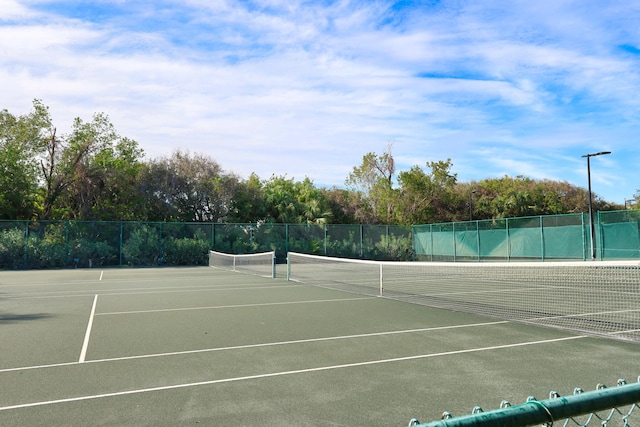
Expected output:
(14, 318)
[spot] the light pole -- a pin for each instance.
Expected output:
(471, 193)
(591, 224)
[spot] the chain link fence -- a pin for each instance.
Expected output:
(65, 244)
(86, 244)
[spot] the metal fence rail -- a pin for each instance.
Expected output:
(601, 406)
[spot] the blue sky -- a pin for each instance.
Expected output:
(306, 88)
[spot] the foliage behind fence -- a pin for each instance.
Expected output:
(60, 244)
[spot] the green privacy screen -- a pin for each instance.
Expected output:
(552, 237)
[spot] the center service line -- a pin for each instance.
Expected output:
(85, 344)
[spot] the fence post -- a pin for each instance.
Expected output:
(542, 237)
(431, 238)
(324, 227)
(160, 257)
(600, 239)
(66, 243)
(286, 238)
(506, 226)
(213, 236)
(26, 244)
(121, 236)
(478, 239)
(584, 238)
(455, 243)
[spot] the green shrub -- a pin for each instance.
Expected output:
(43, 253)
(142, 247)
(12, 245)
(186, 251)
(92, 254)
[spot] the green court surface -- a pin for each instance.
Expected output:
(207, 347)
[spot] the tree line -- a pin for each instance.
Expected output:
(93, 173)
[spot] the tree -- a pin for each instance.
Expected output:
(288, 201)
(247, 204)
(428, 197)
(187, 187)
(343, 205)
(89, 173)
(21, 142)
(106, 183)
(372, 183)
(509, 197)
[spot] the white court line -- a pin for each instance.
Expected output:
(270, 344)
(214, 307)
(144, 291)
(85, 344)
(280, 374)
(101, 274)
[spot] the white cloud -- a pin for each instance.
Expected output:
(306, 89)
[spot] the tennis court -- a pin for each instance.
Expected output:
(204, 346)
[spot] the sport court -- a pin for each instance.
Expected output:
(204, 346)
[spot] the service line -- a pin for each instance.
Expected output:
(282, 373)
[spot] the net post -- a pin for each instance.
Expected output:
(381, 280)
(234, 263)
(288, 268)
(273, 266)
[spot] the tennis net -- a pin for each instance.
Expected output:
(601, 298)
(262, 264)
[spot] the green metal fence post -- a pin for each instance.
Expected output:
(431, 238)
(541, 238)
(506, 226)
(584, 238)
(286, 239)
(455, 245)
(121, 236)
(26, 244)
(478, 239)
(66, 243)
(599, 240)
(160, 256)
(213, 236)
(326, 234)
